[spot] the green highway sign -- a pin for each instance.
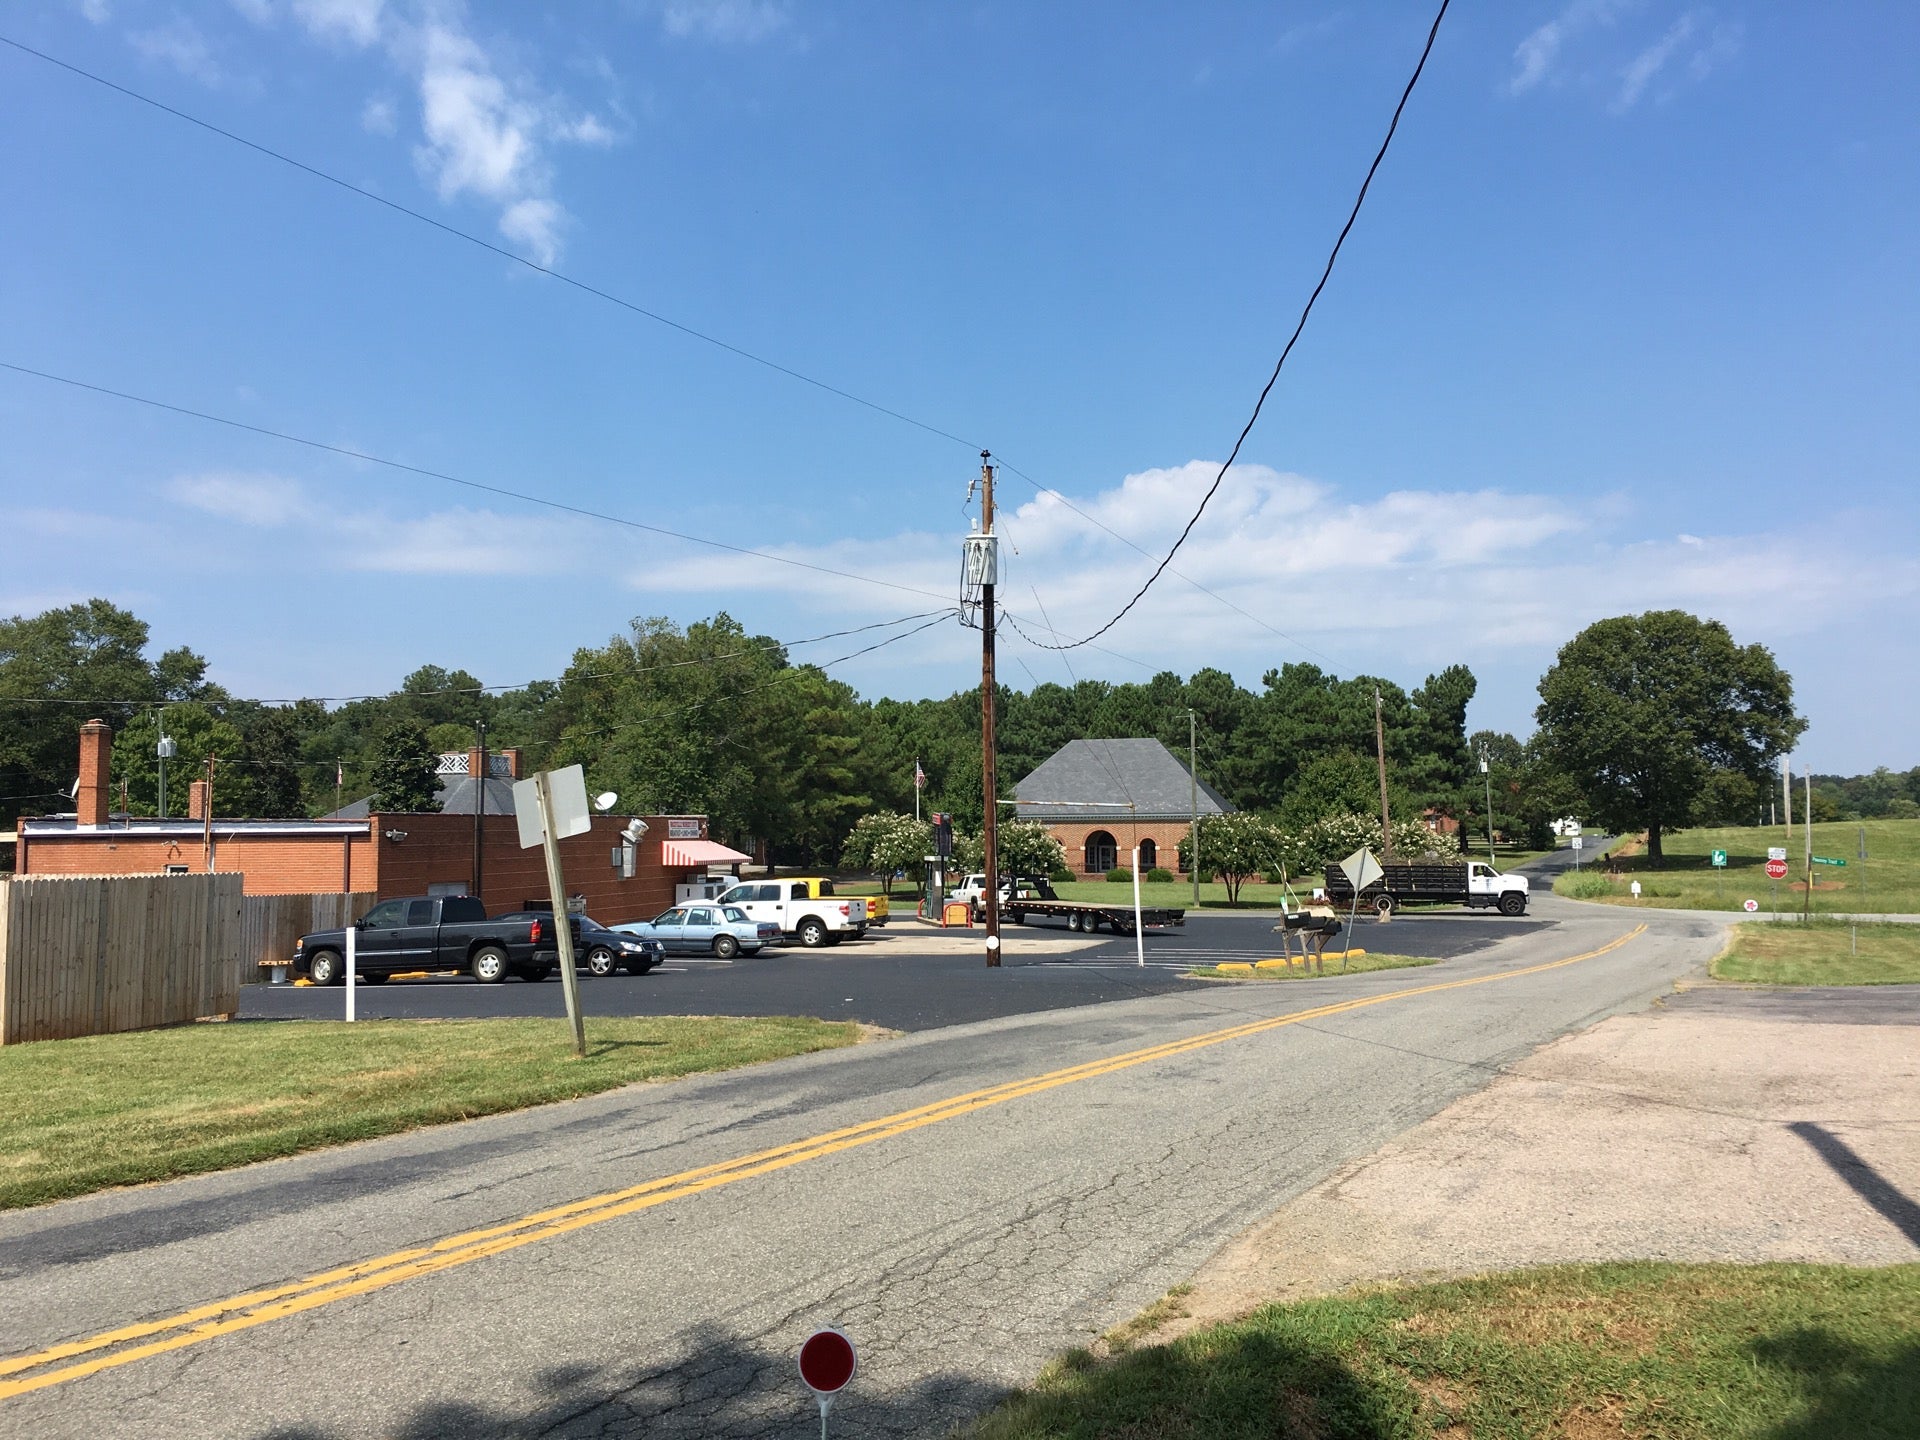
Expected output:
(1720, 858)
(1823, 860)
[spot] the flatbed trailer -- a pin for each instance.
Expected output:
(1037, 897)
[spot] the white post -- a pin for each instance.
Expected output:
(562, 918)
(352, 932)
(1139, 934)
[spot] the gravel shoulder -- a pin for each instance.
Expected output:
(1729, 1124)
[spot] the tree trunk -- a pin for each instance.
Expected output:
(1653, 845)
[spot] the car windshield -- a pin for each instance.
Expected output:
(733, 913)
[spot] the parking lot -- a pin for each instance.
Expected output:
(906, 977)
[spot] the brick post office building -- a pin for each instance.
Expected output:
(1100, 798)
(376, 852)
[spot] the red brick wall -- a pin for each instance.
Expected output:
(277, 865)
(1165, 834)
(439, 849)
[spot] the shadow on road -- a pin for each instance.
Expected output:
(1865, 1181)
(723, 1387)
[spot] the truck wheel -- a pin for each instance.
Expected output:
(490, 964)
(725, 947)
(1019, 916)
(1513, 904)
(813, 933)
(1073, 920)
(1384, 906)
(326, 968)
(600, 961)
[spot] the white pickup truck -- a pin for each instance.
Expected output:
(790, 904)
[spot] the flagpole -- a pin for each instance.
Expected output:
(916, 789)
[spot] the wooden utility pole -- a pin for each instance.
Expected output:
(1380, 749)
(989, 783)
(479, 809)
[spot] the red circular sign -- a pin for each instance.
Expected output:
(1776, 869)
(826, 1362)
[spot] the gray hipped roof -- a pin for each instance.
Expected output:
(456, 798)
(1116, 780)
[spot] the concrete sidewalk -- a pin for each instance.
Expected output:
(1727, 1123)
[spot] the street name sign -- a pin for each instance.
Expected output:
(1823, 860)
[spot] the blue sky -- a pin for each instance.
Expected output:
(1629, 321)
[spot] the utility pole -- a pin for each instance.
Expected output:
(1193, 795)
(1380, 749)
(479, 809)
(1487, 775)
(990, 826)
(1806, 828)
(1786, 794)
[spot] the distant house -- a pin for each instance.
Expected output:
(1100, 798)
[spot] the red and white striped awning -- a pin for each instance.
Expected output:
(688, 854)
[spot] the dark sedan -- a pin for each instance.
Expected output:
(600, 950)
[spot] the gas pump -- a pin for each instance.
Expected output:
(935, 888)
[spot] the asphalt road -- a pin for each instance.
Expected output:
(908, 978)
(965, 1202)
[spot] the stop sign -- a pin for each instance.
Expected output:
(826, 1362)
(1776, 869)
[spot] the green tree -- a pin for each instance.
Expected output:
(404, 779)
(1235, 846)
(1641, 709)
(1028, 848)
(887, 841)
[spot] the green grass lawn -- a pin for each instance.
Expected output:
(83, 1115)
(1677, 1352)
(1330, 964)
(1887, 882)
(1821, 952)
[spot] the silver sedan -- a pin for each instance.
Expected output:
(720, 930)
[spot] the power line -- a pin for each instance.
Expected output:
(500, 490)
(490, 247)
(1325, 274)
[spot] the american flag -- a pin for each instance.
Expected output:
(919, 777)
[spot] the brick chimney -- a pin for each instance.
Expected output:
(513, 763)
(197, 800)
(92, 800)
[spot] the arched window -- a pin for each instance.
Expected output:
(1149, 855)
(1102, 852)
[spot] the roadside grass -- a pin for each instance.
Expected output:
(1358, 962)
(1821, 952)
(1681, 1352)
(83, 1115)
(1685, 880)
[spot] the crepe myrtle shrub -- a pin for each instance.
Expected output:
(1308, 851)
(1236, 846)
(1028, 848)
(887, 841)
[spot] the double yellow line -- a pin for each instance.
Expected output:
(59, 1364)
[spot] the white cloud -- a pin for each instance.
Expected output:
(354, 22)
(1642, 69)
(261, 501)
(1534, 57)
(725, 22)
(378, 117)
(96, 12)
(180, 44)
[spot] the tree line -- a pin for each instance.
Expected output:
(1654, 720)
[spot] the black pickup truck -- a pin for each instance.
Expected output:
(439, 933)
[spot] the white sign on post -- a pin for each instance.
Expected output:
(1776, 852)
(567, 789)
(1576, 842)
(1361, 869)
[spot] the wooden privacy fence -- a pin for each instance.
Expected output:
(271, 923)
(85, 955)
